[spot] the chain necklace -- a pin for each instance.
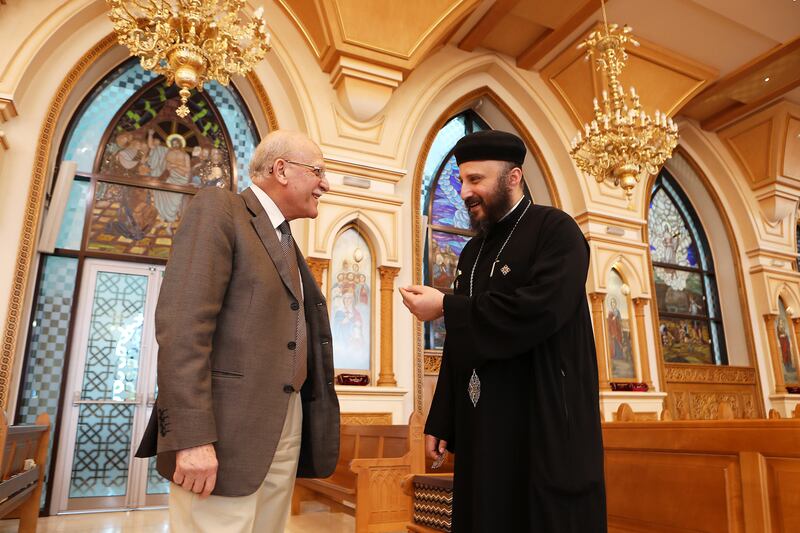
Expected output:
(474, 387)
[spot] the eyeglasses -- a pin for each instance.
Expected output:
(318, 171)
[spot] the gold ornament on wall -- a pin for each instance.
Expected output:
(191, 42)
(622, 143)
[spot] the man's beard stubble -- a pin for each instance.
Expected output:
(496, 207)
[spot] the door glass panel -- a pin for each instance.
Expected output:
(103, 438)
(102, 451)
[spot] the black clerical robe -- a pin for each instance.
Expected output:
(529, 455)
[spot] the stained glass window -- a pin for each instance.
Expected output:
(144, 162)
(351, 300)
(690, 322)
(448, 221)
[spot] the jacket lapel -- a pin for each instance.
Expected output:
(266, 232)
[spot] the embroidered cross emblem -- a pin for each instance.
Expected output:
(505, 270)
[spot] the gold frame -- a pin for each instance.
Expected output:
(374, 344)
(635, 348)
(45, 148)
(459, 105)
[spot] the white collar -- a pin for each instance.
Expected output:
(512, 209)
(274, 214)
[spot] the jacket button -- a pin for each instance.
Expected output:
(295, 306)
(292, 345)
(288, 389)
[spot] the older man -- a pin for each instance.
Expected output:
(245, 366)
(517, 396)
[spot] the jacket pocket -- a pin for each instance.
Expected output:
(226, 374)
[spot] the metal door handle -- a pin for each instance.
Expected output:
(78, 401)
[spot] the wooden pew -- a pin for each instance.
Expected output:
(703, 475)
(20, 489)
(373, 460)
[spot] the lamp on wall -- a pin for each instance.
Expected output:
(190, 42)
(623, 142)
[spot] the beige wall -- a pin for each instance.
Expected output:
(43, 42)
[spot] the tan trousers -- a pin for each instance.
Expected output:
(264, 511)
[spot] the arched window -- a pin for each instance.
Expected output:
(448, 227)
(690, 324)
(351, 300)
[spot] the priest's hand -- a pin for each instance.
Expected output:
(434, 446)
(425, 303)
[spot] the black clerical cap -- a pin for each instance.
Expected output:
(490, 145)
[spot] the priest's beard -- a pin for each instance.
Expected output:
(495, 207)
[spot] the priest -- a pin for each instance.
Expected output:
(517, 395)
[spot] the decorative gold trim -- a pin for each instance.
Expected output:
(433, 362)
(33, 203)
(386, 377)
(454, 108)
(689, 373)
(366, 419)
(26, 252)
(263, 100)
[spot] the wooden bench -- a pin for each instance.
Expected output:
(703, 475)
(373, 460)
(21, 489)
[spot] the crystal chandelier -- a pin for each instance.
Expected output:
(622, 143)
(190, 42)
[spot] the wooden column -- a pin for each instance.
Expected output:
(777, 365)
(386, 377)
(600, 344)
(641, 336)
(317, 265)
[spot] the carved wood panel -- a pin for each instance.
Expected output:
(695, 391)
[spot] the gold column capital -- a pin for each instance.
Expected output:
(388, 274)
(317, 266)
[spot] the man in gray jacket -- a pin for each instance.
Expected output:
(245, 365)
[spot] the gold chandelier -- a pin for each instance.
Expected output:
(622, 143)
(190, 42)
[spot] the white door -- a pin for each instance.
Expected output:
(110, 392)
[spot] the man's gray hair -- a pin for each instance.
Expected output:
(277, 144)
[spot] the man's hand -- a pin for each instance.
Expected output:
(434, 447)
(425, 303)
(196, 469)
